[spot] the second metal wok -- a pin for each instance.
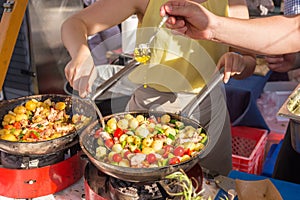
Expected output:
(89, 144)
(73, 105)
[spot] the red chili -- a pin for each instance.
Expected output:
(167, 151)
(8, 126)
(137, 151)
(109, 143)
(174, 160)
(97, 133)
(118, 132)
(188, 152)
(167, 148)
(33, 135)
(17, 125)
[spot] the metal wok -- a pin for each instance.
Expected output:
(88, 144)
(73, 105)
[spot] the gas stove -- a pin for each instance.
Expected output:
(27, 177)
(99, 186)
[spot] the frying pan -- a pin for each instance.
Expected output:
(88, 142)
(73, 105)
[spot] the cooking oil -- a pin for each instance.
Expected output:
(142, 59)
(142, 55)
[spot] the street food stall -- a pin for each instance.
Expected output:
(95, 160)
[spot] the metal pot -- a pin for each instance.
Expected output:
(88, 144)
(73, 105)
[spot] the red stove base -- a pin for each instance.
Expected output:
(91, 195)
(99, 180)
(36, 182)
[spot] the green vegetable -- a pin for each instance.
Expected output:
(173, 121)
(199, 130)
(140, 147)
(159, 130)
(108, 130)
(204, 139)
(123, 144)
(170, 155)
(163, 162)
(21, 136)
(114, 163)
(172, 137)
(188, 191)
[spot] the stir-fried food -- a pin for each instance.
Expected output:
(142, 142)
(39, 121)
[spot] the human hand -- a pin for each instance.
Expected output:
(81, 75)
(281, 63)
(189, 18)
(233, 64)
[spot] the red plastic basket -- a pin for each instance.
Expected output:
(248, 149)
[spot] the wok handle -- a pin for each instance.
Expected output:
(205, 91)
(112, 80)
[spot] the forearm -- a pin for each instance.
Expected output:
(74, 37)
(272, 35)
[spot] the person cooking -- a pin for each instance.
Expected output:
(288, 160)
(178, 69)
(192, 19)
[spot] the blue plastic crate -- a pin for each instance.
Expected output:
(270, 160)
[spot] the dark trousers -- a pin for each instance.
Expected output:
(287, 165)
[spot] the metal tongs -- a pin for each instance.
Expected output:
(216, 78)
(108, 84)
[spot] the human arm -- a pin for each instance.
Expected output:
(237, 63)
(99, 16)
(260, 35)
(80, 70)
(283, 63)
